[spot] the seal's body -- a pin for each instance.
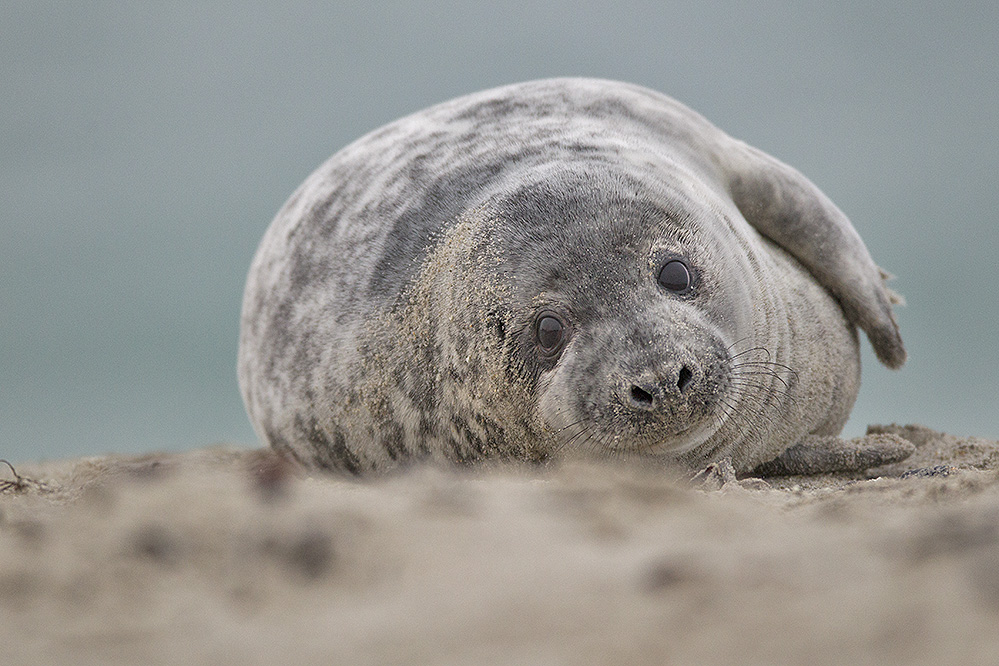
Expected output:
(554, 267)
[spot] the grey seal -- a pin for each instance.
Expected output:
(561, 267)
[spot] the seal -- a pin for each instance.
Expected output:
(555, 268)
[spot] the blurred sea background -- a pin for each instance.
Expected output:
(145, 147)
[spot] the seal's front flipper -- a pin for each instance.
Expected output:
(788, 209)
(822, 455)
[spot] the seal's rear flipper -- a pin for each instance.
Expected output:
(787, 208)
(822, 455)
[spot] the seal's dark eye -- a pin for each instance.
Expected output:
(675, 276)
(551, 333)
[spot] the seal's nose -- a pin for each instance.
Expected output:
(684, 378)
(641, 398)
(645, 395)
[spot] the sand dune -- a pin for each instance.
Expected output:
(228, 556)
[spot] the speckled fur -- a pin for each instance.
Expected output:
(390, 311)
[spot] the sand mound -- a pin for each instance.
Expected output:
(227, 556)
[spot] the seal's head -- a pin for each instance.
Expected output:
(622, 315)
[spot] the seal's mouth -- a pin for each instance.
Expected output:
(678, 442)
(651, 436)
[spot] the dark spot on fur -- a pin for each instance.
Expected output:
(493, 430)
(416, 170)
(307, 271)
(423, 389)
(460, 344)
(580, 148)
(330, 452)
(338, 200)
(278, 337)
(442, 200)
(460, 454)
(394, 441)
(427, 427)
(319, 215)
(497, 107)
(466, 434)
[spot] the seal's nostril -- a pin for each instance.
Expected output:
(684, 379)
(640, 396)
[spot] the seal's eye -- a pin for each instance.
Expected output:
(551, 334)
(675, 276)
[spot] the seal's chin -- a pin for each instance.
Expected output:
(677, 443)
(616, 437)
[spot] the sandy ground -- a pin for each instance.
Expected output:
(228, 556)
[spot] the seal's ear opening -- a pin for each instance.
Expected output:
(788, 209)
